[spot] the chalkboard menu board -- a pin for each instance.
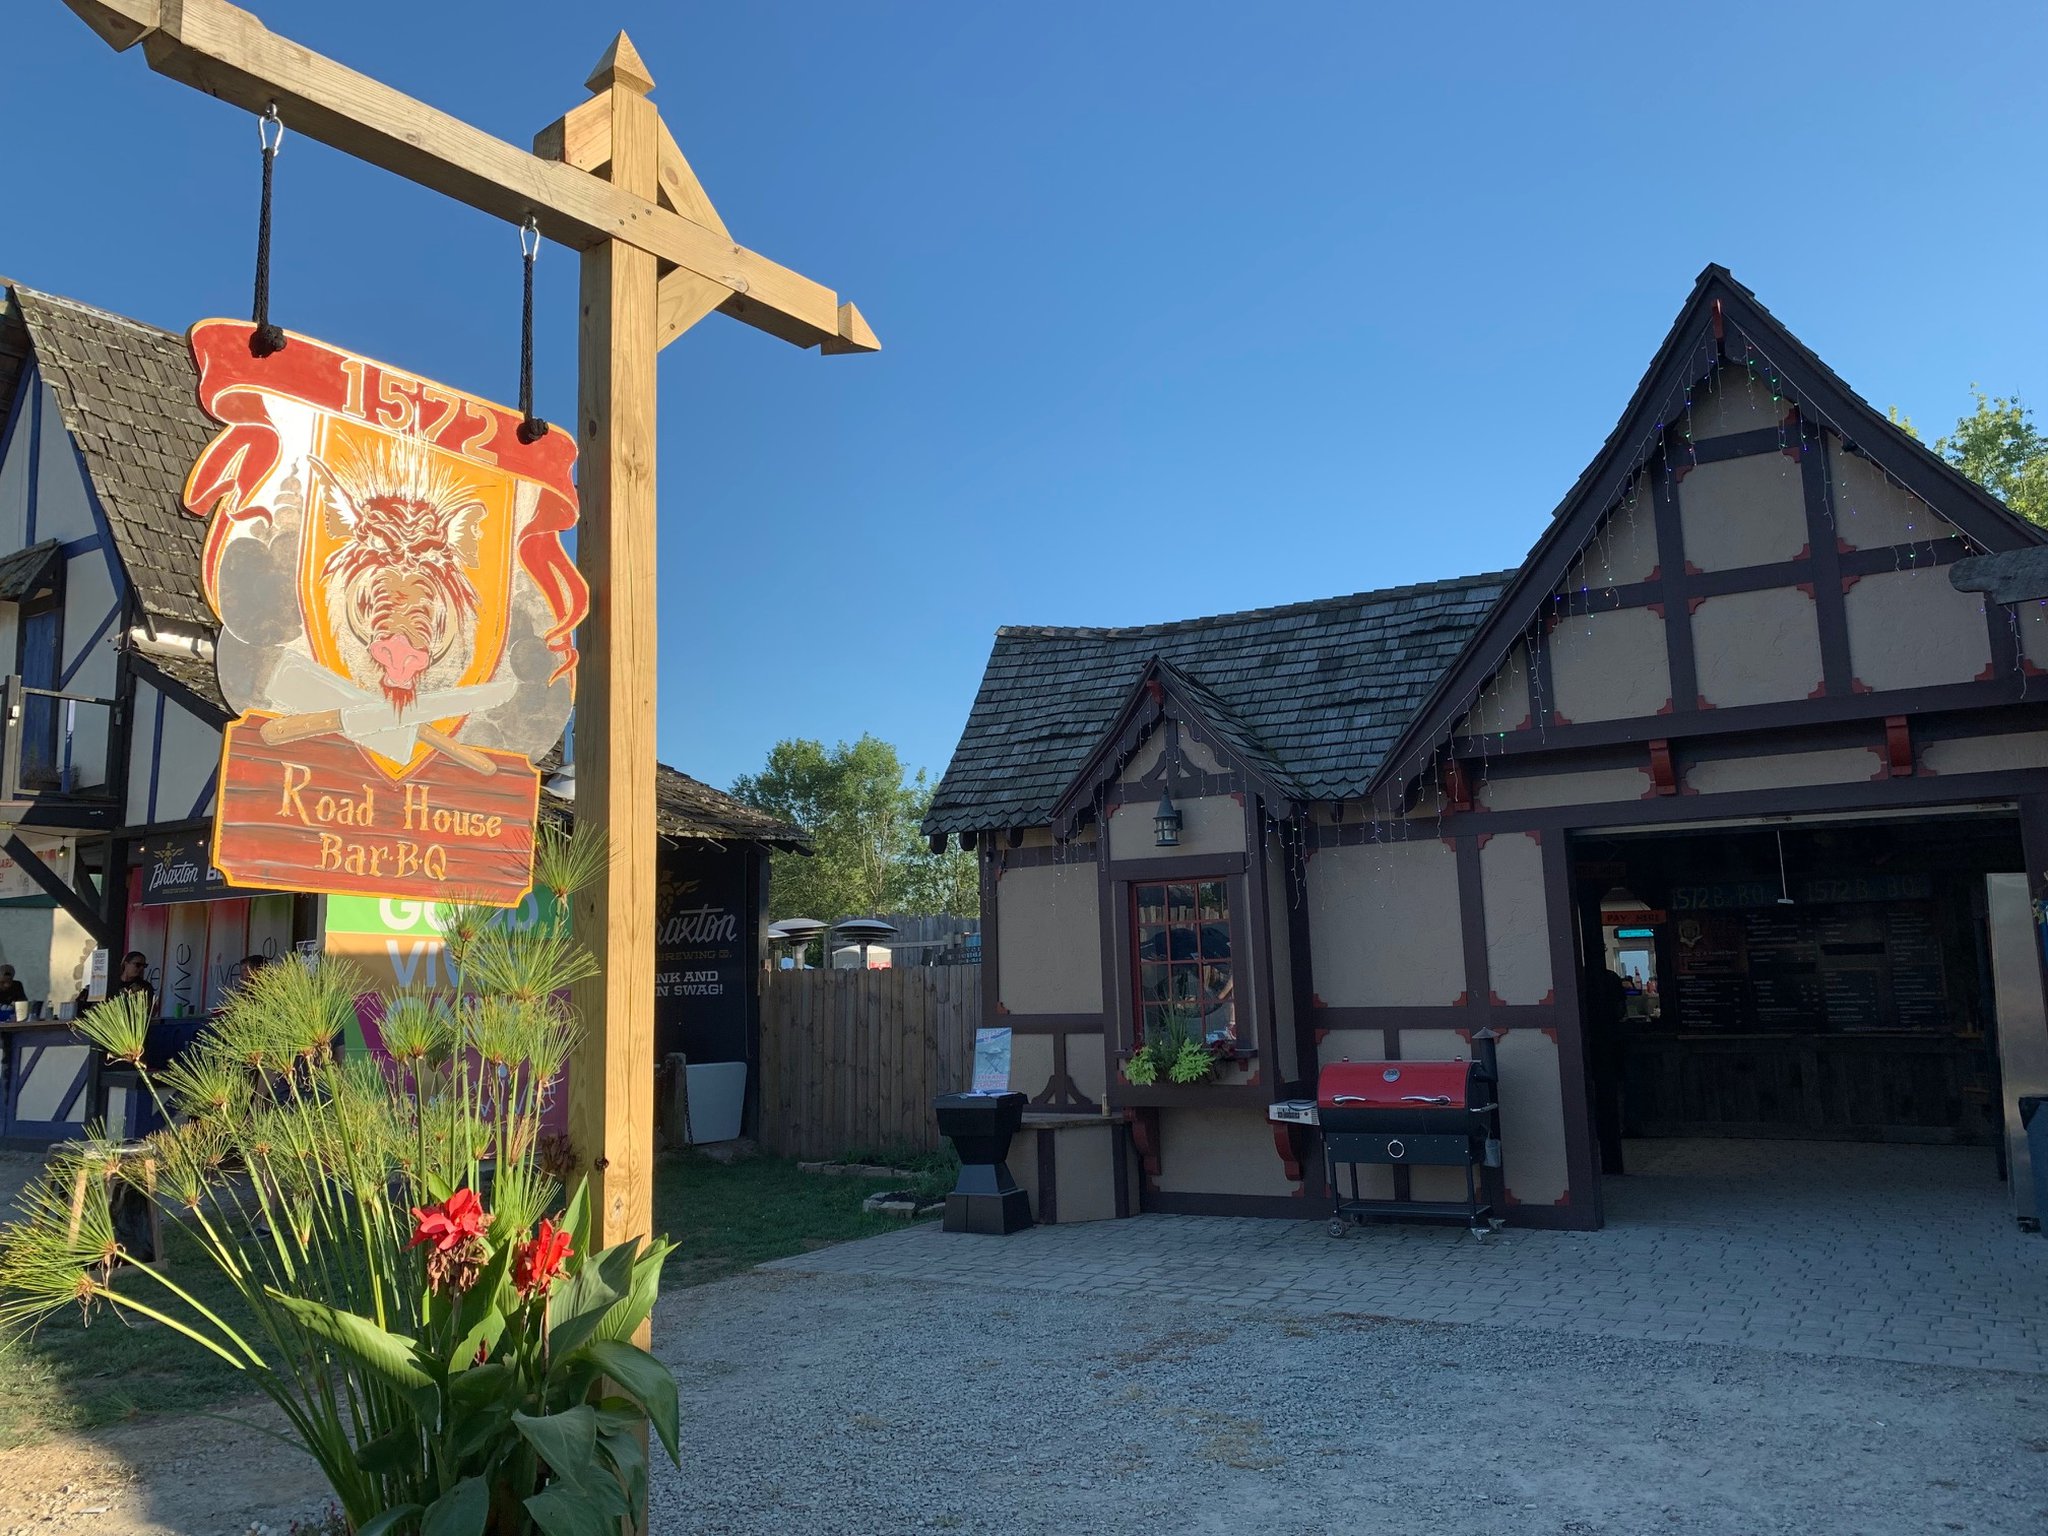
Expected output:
(1781, 969)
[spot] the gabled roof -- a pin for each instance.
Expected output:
(1720, 319)
(1318, 690)
(1163, 690)
(127, 393)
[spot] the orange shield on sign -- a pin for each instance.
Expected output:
(396, 613)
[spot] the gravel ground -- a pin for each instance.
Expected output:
(827, 1404)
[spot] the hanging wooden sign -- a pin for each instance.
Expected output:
(396, 622)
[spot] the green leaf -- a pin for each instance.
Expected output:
(647, 1382)
(438, 1189)
(563, 1509)
(389, 1355)
(565, 1441)
(480, 1403)
(488, 1330)
(576, 1216)
(483, 1296)
(577, 1306)
(392, 1452)
(629, 1313)
(389, 1521)
(461, 1511)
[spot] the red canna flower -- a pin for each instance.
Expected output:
(537, 1264)
(451, 1223)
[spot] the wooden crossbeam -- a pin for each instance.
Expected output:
(225, 51)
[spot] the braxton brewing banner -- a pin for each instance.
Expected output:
(385, 556)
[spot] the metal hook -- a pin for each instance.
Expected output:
(529, 237)
(264, 124)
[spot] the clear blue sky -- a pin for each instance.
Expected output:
(1186, 307)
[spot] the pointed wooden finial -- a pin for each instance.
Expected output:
(621, 65)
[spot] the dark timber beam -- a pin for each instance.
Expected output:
(82, 912)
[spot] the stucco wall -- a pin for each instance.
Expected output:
(2032, 621)
(1872, 511)
(1747, 511)
(1048, 939)
(1783, 770)
(1609, 666)
(1986, 754)
(1517, 917)
(1030, 1064)
(1385, 924)
(1087, 1065)
(1623, 549)
(1499, 792)
(1756, 647)
(1219, 1152)
(1210, 824)
(1532, 1117)
(1911, 629)
(1730, 402)
(1503, 703)
(1146, 758)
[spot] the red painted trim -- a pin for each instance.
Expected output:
(1001, 1006)
(1482, 839)
(1898, 745)
(1287, 1142)
(1549, 999)
(1843, 546)
(1549, 1030)
(1462, 1000)
(1557, 717)
(1693, 570)
(1989, 674)
(1315, 1000)
(1663, 774)
(1658, 608)
(1857, 685)
(1849, 581)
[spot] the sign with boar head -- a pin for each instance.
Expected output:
(396, 622)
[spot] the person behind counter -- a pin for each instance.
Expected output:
(11, 991)
(134, 977)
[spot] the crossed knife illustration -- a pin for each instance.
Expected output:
(324, 703)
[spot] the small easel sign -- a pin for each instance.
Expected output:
(991, 1061)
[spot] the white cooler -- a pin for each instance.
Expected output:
(718, 1100)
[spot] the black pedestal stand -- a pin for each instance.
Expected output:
(986, 1199)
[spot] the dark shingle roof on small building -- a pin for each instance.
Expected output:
(687, 807)
(1319, 690)
(128, 394)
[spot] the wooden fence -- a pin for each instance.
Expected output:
(850, 1060)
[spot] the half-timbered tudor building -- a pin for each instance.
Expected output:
(1728, 730)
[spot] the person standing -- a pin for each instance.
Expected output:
(1606, 1011)
(11, 991)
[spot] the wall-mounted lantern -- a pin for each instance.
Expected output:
(1166, 822)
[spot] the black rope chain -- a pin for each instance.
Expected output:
(266, 338)
(531, 427)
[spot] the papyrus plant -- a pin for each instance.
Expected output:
(406, 1283)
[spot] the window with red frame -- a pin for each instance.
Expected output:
(1180, 932)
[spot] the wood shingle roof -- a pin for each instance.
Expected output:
(128, 395)
(1319, 690)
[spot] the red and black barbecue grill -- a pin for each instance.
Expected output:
(1403, 1114)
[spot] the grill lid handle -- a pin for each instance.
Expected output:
(1425, 1098)
(1350, 1098)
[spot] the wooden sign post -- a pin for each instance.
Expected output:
(608, 180)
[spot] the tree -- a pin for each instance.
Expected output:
(862, 816)
(1999, 447)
